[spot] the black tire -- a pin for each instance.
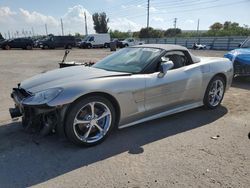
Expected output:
(28, 47)
(45, 47)
(74, 110)
(7, 47)
(68, 46)
(206, 100)
(105, 45)
(89, 46)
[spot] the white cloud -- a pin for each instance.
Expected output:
(124, 24)
(6, 14)
(153, 9)
(74, 20)
(158, 19)
(189, 21)
(35, 17)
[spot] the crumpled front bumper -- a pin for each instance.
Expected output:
(42, 118)
(241, 69)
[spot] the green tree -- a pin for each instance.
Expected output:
(118, 34)
(150, 33)
(216, 26)
(100, 22)
(172, 32)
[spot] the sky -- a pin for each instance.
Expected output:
(19, 17)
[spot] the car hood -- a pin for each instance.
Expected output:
(64, 76)
(241, 55)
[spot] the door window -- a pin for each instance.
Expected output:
(178, 58)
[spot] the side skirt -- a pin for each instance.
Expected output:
(163, 114)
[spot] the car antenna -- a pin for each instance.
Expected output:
(65, 55)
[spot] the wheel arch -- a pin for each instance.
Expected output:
(109, 97)
(221, 75)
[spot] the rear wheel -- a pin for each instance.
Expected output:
(28, 47)
(214, 93)
(68, 46)
(45, 47)
(7, 47)
(89, 121)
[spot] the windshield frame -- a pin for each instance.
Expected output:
(144, 69)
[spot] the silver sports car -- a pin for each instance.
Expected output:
(130, 86)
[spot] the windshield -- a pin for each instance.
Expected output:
(246, 44)
(86, 38)
(131, 60)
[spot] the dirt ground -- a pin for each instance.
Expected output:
(175, 151)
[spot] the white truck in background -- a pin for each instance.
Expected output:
(95, 40)
(131, 42)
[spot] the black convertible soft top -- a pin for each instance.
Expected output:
(170, 47)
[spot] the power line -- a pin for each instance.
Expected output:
(187, 4)
(203, 8)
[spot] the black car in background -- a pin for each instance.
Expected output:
(51, 42)
(117, 42)
(24, 43)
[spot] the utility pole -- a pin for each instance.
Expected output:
(175, 22)
(86, 27)
(198, 26)
(46, 29)
(9, 34)
(33, 33)
(62, 27)
(148, 14)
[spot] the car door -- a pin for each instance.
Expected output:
(181, 85)
(15, 43)
(92, 40)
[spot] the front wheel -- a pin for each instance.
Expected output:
(214, 93)
(89, 121)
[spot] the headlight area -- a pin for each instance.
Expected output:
(42, 97)
(37, 116)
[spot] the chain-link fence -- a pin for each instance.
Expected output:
(213, 43)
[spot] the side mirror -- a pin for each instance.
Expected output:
(165, 66)
(239, 45)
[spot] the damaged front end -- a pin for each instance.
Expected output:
(37, 115)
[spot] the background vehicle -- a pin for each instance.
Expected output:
(78, 41)
(52, 42)
(131, 42)
(130, 86)
(2, 41)
(24, 43)
(197, 46)
(95, 40)
(117, 42)
(241, 59)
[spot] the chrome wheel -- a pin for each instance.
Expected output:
(216, 92)
(92, 122)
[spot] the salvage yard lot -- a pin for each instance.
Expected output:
(175, 151)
